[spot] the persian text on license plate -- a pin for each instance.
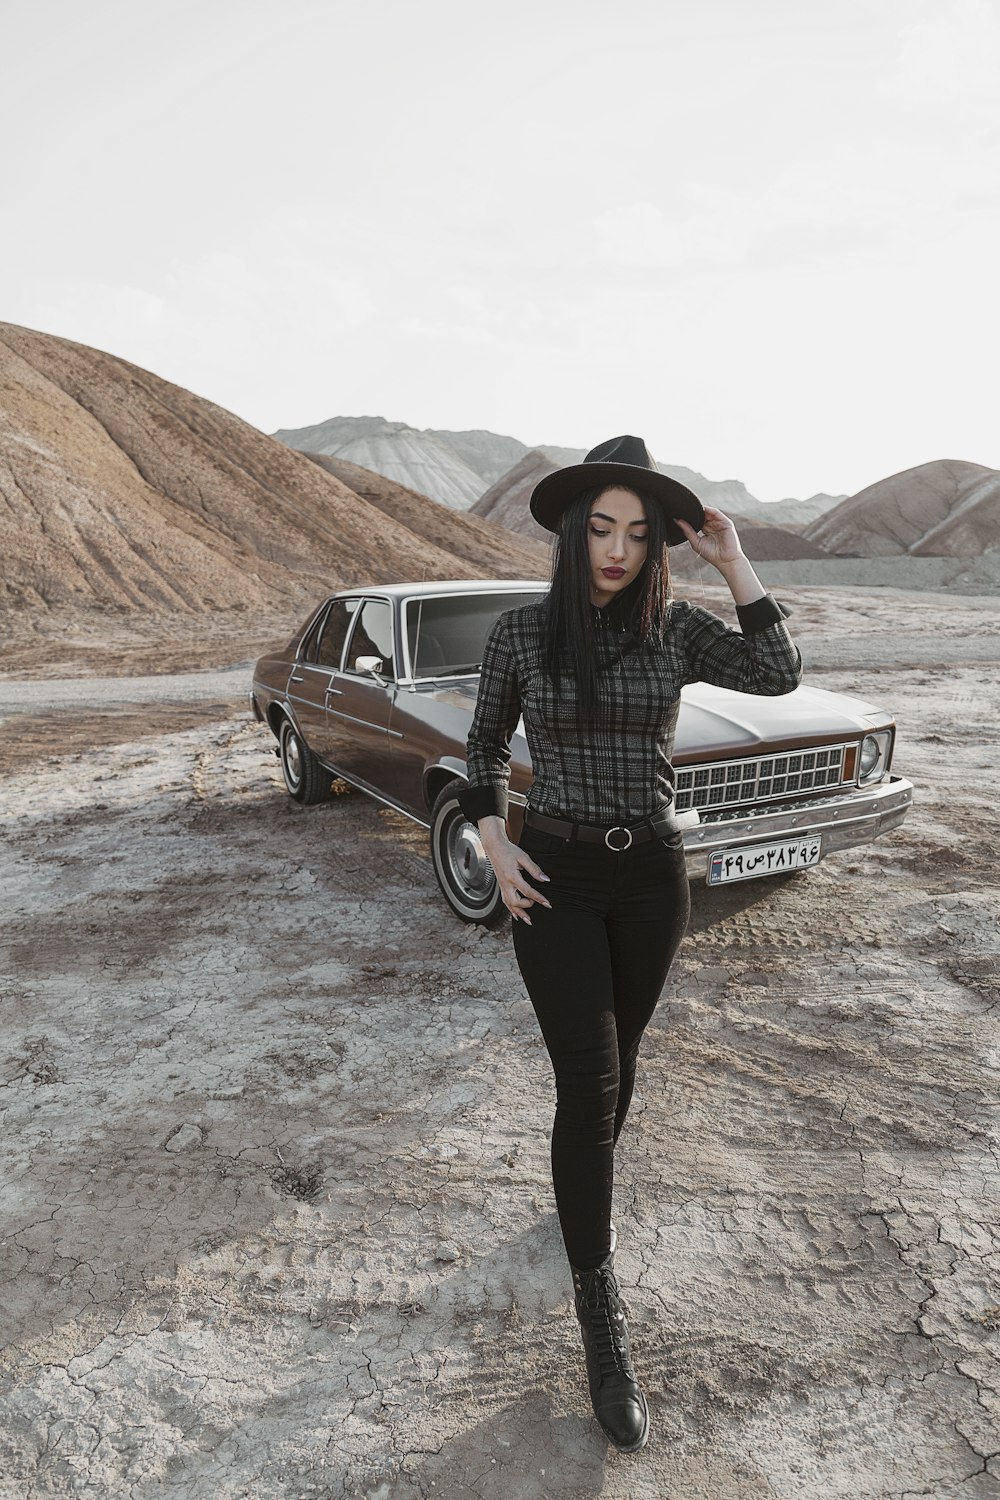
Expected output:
(763, 859)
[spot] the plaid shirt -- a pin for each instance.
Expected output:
(616, 768)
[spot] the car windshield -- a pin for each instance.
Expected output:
(446, 635)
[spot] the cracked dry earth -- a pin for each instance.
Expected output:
(277, 1217)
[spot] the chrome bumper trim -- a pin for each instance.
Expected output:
(840, 821)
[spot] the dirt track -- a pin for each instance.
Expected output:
(277, 1213)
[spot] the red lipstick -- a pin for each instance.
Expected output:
(613, 572)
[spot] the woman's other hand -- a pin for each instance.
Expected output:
(717, 542)
(511, 866)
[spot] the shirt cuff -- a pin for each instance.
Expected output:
(760, 614)
(483, 802)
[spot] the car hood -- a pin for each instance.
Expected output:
(714, 720)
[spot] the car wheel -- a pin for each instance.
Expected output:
(306, 779)
(463, 872)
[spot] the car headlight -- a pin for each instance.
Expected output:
(873, 757)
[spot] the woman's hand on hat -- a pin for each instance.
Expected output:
(717, 541)
(512, 867)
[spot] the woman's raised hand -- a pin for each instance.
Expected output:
(511, 866)
(717, 541)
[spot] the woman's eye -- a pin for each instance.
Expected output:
(595, 531)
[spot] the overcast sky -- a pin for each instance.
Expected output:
(762, 234)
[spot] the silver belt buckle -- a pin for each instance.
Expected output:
(618, 848)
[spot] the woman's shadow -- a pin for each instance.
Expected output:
(544, 1442)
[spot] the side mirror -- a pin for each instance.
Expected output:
(372, 664)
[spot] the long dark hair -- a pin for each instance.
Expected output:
(571, 619)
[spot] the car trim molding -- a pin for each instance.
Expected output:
(394, 734)
(363, 786)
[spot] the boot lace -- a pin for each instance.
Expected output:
(601, 1302)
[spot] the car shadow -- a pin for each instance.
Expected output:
(711, 905)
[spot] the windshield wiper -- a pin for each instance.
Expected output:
(460, 671)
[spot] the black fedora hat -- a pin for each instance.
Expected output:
(625, 461)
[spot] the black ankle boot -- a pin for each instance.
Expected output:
(618, 1403)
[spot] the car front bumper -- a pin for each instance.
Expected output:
(857, 818)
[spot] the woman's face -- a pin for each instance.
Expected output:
(618, 538)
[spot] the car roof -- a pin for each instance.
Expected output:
(445, 586)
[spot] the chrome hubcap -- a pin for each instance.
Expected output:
(471, 870)
(293, 759)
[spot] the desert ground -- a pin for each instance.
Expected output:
(277, 1219)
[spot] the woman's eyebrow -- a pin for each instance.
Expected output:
(598, 515)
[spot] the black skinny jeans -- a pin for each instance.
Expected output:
(594, 967)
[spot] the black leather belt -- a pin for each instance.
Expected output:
(617, 838)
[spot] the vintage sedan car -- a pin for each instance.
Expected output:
(379, 685)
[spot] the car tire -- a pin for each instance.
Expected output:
(306, 780)
(463, 872)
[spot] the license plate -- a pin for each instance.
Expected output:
(763, 859)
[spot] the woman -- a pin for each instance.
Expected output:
(597, 887)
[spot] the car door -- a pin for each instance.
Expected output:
(445, 637)
(359, 706)
(312, 678)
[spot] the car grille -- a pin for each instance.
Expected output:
(737, 783)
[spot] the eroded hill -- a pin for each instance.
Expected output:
(943, 509)
(124, 495)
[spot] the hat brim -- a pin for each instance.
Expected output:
(552, 494)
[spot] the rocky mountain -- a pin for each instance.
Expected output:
(456, 468)
(487, 454)
(122, 492)
(506, 503)
(730, 495)
(799, 513)
(460, 535)
(947, 508)
(421, 461)
(451, 467)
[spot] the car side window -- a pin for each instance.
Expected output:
(373, 636)
(330, 648)
(307, 650)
